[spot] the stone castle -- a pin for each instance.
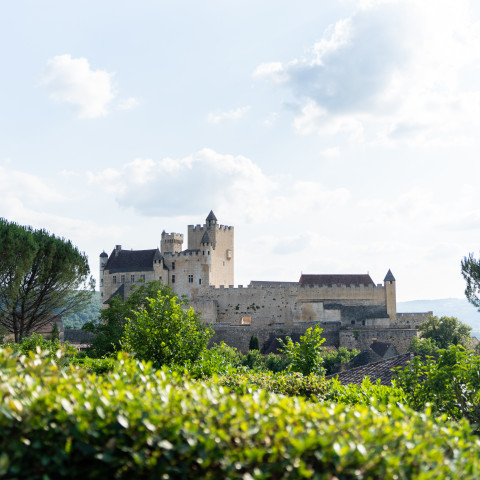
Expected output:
(351, 308)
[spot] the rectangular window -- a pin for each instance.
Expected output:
(199, 281)
(142, 277)
(132, 278)
(101, 282)
(114, 279)
(173, 278)
(123, 278)
(190, 279)
(160, 278)
(173, 265)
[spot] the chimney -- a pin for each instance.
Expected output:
(118, 248)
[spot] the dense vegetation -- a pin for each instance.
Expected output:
(40, 275)
(173, 408)
(139, 422)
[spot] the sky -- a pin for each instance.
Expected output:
(335, 136)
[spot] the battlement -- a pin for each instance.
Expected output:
(184, 253)
(201, 228)
(172, 236)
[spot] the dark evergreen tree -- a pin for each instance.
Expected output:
(40, 275)
(253, 345)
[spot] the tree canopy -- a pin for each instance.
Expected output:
(110, 327)
(40, 275)
(471, 274)
(165, 333)
(446, 331)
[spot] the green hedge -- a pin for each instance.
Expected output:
(136, 422)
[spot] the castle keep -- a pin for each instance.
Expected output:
(351, 308)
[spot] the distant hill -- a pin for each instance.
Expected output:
(446, 307)
(89, 314)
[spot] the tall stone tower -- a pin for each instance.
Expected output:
(171, 242)
(103, 262)
(390, 296)
(216, 244)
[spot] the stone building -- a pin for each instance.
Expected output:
(351, 308)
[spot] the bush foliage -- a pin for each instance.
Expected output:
(165, 333)
(136, 422)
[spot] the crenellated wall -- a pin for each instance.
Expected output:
(362, 338)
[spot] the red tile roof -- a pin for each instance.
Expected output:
(334, 279)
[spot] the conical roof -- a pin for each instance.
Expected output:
(364, 358)
(389, 277)
(103, 254)
(205, 238)
(211, 216)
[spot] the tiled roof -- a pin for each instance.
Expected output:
(380, 347)
(211, 216)
(205, 238)
(331, 280)
(364, 358)
(378, 370)
(132, 260)
(389, 277)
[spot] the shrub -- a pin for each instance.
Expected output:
(164, 333)
(135, 422)
(219, 360)
(450, 384)
(254, 360)
(253, 344)
(305, 357)
(276, 363)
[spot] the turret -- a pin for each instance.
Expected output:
(390, 295)
(171, 242)
(103, 264)
(211, 219)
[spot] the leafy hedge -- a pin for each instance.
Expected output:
(136, 422)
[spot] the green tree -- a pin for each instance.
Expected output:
(110, 327)
(305, 357)
(471, 274)
(425, 346)
(40, 275)
(450, 383)
(338, 357)
(253, 344)
(446, 331)
(165, 333)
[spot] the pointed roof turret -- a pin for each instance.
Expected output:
(103, 254)
(211, 217)
(205, 238)
(389, 277)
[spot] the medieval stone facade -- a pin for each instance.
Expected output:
(351, 308)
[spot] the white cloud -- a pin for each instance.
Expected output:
(394, 71)
(70, 80)
(234, 114)
(206, 180)
(128, 103)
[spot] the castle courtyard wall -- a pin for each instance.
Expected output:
(361, 339)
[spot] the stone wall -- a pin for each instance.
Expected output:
(239, 336)
(411, 320)
(362, 338)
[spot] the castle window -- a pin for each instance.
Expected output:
(199, 281)
(208, 252)
(101, 294)
(352, 322)
(173, 265)
(114, 279)
(173, 278)
(190, 279)
(132, 278)
(101, 282)
(160, 278)
(142, 277)
(123, 278)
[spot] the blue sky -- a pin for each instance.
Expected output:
(337, 137)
